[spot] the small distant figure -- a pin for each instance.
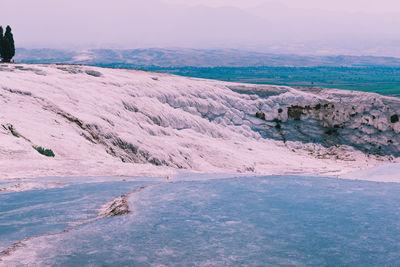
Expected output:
(167, 177)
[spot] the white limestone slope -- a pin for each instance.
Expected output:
(124, 122)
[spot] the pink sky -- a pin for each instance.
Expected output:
(368, 6)
(340, 26)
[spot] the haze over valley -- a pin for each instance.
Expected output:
(308, 28)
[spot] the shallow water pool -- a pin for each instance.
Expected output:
(257, 221)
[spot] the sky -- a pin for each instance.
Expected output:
(367, 27)
(366, 6)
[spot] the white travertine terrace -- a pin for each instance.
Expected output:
(104, 122)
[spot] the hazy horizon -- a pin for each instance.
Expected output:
(281, 26)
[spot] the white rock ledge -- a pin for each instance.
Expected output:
(113, 122)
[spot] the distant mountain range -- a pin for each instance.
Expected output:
(194, 57)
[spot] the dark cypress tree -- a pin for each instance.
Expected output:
(8, 51)
(1, 42)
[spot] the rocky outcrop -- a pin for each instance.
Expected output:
(117, 207)
(366, 121)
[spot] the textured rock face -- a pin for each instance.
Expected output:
(114, 122)
(117, 207)
(367, 122)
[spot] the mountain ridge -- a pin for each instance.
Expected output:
(174, 57)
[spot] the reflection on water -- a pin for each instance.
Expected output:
(255, 221)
